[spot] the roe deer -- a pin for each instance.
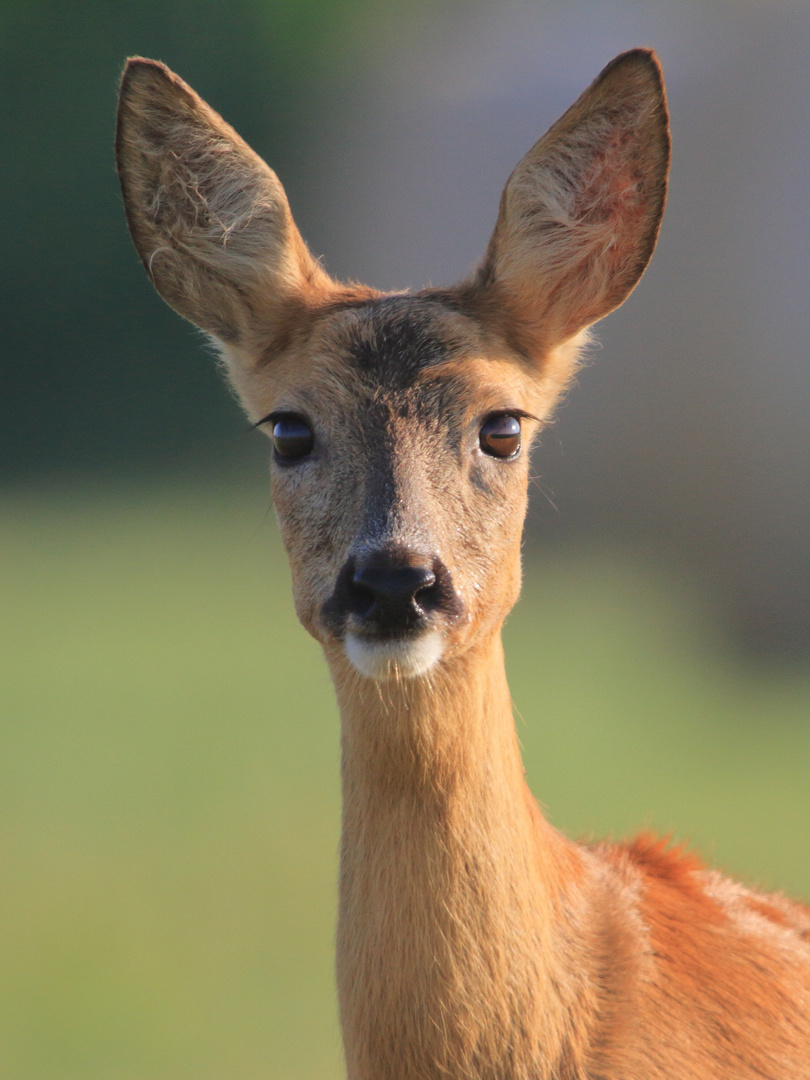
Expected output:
(474, 941)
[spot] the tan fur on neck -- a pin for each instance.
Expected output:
(449, 952)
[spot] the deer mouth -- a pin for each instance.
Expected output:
(392, 658)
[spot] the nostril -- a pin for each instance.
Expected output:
(425, 593)
(361, 597)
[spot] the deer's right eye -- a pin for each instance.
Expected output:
(292, 438)
(500, 435)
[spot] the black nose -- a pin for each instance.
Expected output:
(392, 587)
(391, 591)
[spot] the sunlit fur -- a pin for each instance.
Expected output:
(475, 942)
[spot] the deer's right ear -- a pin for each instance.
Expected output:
(209, 218)
(580, 214)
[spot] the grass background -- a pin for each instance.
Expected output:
(168, 773)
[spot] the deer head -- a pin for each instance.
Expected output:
(401, 423)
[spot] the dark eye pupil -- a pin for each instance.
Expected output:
(292, 438)
(500, 436)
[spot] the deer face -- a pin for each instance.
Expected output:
(399, 474)
(400, 424)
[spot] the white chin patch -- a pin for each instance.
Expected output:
(392, 659)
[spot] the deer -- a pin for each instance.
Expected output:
(474, 940)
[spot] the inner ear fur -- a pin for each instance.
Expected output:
(209, 218)
(580, 214)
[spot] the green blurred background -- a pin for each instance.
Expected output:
(168, 741)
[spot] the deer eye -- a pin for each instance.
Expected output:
(500, 436)
(292, 438)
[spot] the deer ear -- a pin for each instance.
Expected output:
(580, 214)
(210, 220)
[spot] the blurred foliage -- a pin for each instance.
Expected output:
(97, 375)
(169, 774)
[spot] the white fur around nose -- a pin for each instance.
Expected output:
(393, 659)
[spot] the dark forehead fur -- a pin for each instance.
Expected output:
(390, 340)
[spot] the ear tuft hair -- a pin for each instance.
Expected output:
(580, 214)
(209, 218)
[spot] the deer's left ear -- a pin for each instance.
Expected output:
(580, 214)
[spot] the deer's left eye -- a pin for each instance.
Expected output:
(500, 436)
(292, 438)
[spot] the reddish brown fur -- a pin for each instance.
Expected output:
(474, 941)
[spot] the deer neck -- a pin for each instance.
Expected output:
(452, 884)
